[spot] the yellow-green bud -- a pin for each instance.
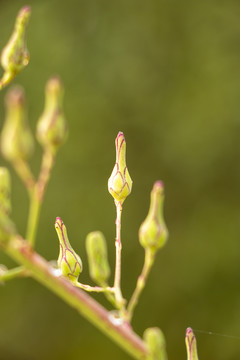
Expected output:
(15, 55)
(120, 182)
(16, 138)
(97, 257)
(156, 344)
(52, 126)
(68, 261)
(7, 227)
(153, 233)
(191, 345)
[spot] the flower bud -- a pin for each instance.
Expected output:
(153, 233)
(191, 345)
(120, 182)
(15, 55)
(156, 344)
(97, 257)
(52, 126)
(16, 138)
(68, 261)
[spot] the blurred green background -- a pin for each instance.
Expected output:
(167, 74)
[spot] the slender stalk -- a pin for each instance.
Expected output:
(93, 288)
(36, 196)
(141, 282)
(118, 245)
(121, 333)
(24, 172)
(6, 79)
(33, 217)
(46, 167)
(7, 275)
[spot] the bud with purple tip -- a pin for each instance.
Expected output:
(52, 127)
(15, 56)
(120, 182)
(68, 261)
(153, 232)
(191, 345)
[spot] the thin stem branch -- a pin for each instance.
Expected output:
(24, 172)
(19, 250)
(118, 245)
(46, 167)
(6, 79)
(36, 196)
(141, 282)
(7, 275)
(93, 288)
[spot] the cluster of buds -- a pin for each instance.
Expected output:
(97, 258)
(69, 261)
(16, 138)
(153, 232)
(15, 55)
(52, 126)
(120, 182)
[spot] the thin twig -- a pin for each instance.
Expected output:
(118, 245)
(141, 282)
(10, 274)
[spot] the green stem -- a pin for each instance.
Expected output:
(33, 217)
(118, 245)
(122, 334)
(24, 172)
(36, 196)
(93, 288)
(7, 275)
(6, 79)
(141, 282)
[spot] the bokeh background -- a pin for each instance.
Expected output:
(167, 74)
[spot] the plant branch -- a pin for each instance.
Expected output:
(19, 250)
(7, 275)
(118, 245)
(36, 196)
(141, 282)
(93, 288)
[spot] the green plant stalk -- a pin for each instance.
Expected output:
(37, 194)
(118, 245)
(141, 282)
(33, 216)
(6, 79)
(24, 172)
(7, 275)
(21, 251)
(97, 289)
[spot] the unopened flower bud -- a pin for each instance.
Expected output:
(97, 257)
(15, 55)
(16, 138)
(52, 126)
(156, 344)
(153, 233)
(120, 182)
(68, 261)
(191, 345)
